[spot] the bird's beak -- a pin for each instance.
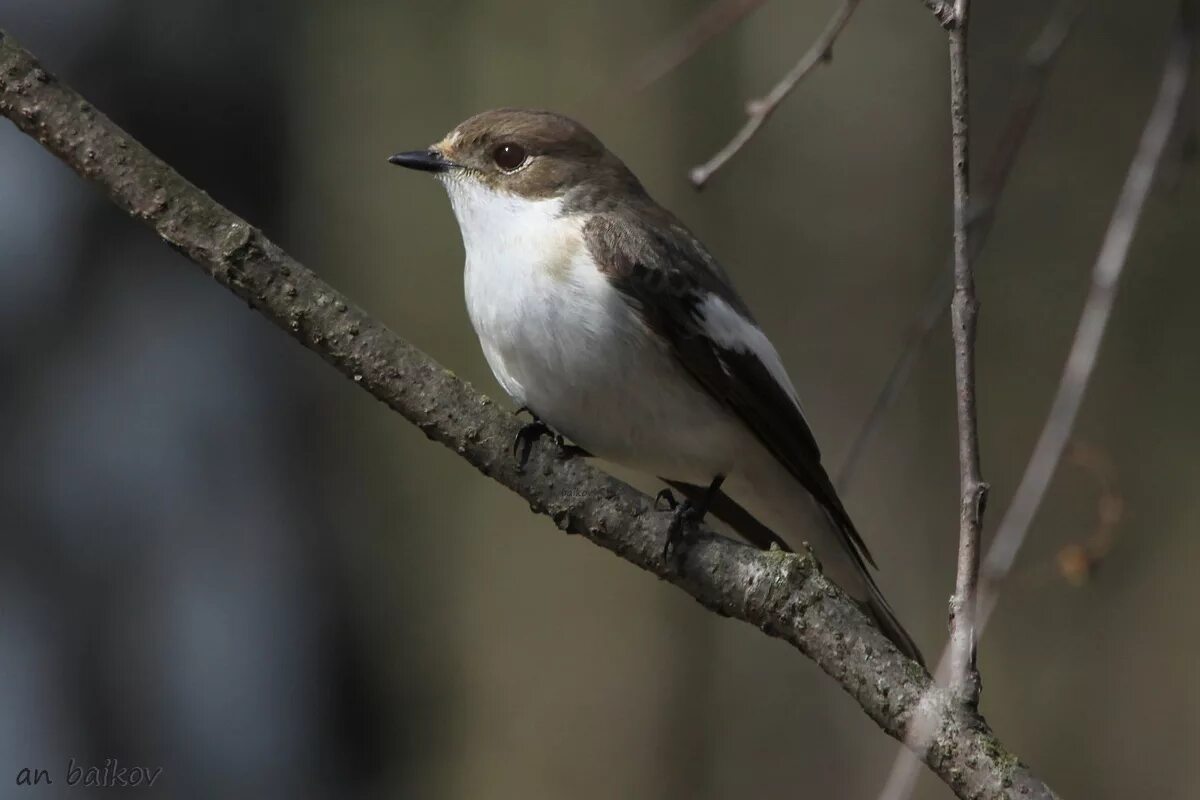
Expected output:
(424, 160)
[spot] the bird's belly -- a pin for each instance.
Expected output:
(643, 412)
(573, 351)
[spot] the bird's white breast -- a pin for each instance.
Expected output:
(534, 298)
(561, 340)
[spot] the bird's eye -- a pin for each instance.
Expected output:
(509, 156)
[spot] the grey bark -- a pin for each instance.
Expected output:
(964, 312)
(784, 595)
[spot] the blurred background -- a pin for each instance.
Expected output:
(222, 559)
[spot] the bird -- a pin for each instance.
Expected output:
(605, 317)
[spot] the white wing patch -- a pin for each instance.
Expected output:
(725, 326)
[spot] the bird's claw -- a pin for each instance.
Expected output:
(523, 442)
(687, 513)
(682, 515)
(665, 496)
(532, 431)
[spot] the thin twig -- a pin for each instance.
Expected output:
(1076, 373)
(758, 111)
(1035, 72)
(1092, 323)
(964, 310)
(944, 11)
(715, 19)
(782, 594)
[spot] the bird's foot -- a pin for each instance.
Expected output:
(523, 442)
(683, 516)
(666, 498)
(532, 431)
(686, 515)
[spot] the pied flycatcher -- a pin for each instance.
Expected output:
(605, 317)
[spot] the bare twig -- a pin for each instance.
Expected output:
(1090, 333)
(1077, 560)
(716, 18)
(985, 198)
(757, 111)
(964, 310)
(944, 11)
(1076, 373)
(782, 594)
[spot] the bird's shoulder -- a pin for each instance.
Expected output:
(683, 295)
(649, 255)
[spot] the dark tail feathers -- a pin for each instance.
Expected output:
(878, 608)
(759, 535)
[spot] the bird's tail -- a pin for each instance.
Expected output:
(879, 609)
(875, 603)
(850, 573)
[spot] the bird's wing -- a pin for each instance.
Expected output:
(683, 295)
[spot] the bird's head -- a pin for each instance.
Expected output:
(502, 157)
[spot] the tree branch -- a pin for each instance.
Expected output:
(944, 12)
(1085, 349)
(757, 111)
(964, 309)
(1081, 361)
(784, 595)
